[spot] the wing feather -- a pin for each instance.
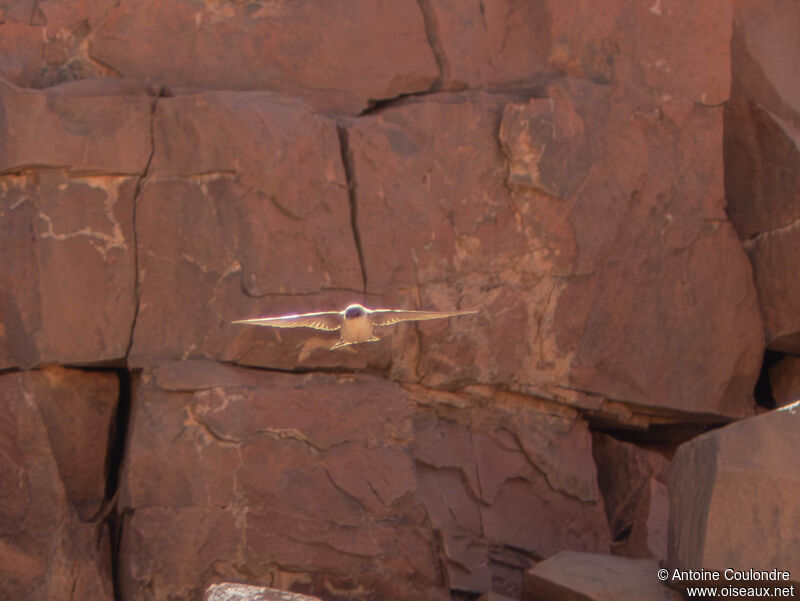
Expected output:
(387, 317)
(325, 320)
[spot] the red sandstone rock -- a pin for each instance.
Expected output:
(776, 258)
(586, 577)
(21, 49)
(245, 212)
(67, 243)
(45, 43)
(343, 480)
(733, 495)
(503, 43)
(763, 159)
(339, 57)
(764, 37)
(474, 474)
(784, 378)
(763, 190)
(648, 536)
(82, 133)
(53, 438)
(680, 51)
(495, 597)
(630, 479)
(597, 250)
(285, 473)
(762, 141)
(67, 278)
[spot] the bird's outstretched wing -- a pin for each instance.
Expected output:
(326, 320)
(386, 317)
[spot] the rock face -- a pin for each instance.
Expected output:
(633, 483)
(256, 218)
(732, 489)
(587, 577)
(763, 150)
(345, 483)
(547, 235)
(346, 62)
(53, 445)
(67, 201)
(613, 185)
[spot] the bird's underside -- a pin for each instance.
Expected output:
(356, 323)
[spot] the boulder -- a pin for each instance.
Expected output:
(571, 576)
(53, 445)
(325, 482)
(335, 56)
(784, 379)
(734, 488)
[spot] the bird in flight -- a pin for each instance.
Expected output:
(357, 323)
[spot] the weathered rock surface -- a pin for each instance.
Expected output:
(254, 219)
(66, 224)
(733, 496)
(678, 51)
(776, 259)
(591, 260)
(53, 443)
(764, 37)
(229, 591)
(784, 379)
(632, 481)
(557, 164)
(476, 466)
(763, 189)
(46, 43)
(589, 577)
(345, 483)
(495, 597)
(762, 149)
(346, 61)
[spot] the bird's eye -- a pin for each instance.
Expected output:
(351, 313)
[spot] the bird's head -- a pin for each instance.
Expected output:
(354, 311)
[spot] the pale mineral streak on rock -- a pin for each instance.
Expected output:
(228, 591)
(106, 240)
